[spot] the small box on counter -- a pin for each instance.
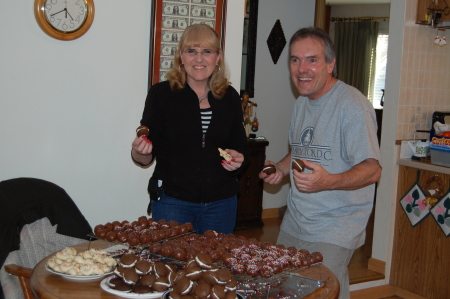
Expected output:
(439, 149)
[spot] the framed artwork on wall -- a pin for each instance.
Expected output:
(169, 20)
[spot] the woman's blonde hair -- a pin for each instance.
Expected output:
(199, 35)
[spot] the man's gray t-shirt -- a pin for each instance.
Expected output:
(336, 131)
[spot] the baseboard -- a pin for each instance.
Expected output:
(374, 293)
(376, 265)
(270, 213)
(383, 292)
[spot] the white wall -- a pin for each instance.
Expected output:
(383, 233)
(69, 109)
(274, 93)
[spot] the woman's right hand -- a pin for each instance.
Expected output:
(142, 145)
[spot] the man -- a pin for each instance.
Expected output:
(333, 130)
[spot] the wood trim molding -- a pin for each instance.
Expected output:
(376, 265)
(383, 292)
(322, 15)
(270, 213)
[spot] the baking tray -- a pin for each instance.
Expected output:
(282, 285)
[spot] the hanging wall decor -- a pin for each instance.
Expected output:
(169, 20)
(276, 41)
(414, 203)
(441, 213)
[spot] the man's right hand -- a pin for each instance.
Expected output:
(274, 178)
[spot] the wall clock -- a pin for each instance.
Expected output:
(64, 19)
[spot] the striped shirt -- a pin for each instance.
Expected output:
(206, 115)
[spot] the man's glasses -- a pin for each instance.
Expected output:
(204, 52)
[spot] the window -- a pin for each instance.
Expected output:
(380, 71)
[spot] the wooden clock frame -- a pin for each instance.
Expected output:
(42, 21)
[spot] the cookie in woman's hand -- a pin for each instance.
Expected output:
(142, 130)
(226, 156)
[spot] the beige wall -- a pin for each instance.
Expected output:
(425, 76)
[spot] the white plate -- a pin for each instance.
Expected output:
(76, 277)
(126, 294)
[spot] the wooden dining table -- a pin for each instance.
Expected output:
(46, 285)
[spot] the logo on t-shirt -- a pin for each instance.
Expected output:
(303, 148)
(307, 136)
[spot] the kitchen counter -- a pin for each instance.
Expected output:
(424, 164)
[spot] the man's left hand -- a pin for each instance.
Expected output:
(312, 182)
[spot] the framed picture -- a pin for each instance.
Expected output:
(169, 19)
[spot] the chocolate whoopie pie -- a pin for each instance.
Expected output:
(174, 295)
(121, 286)
(298, 165)
(217, 291)
(231, 285)
(269, 169)
(128, 260)
(130, 276)
(113, 281)
(141, 289)
(204, 260)
(183, 286)
(194, 272)
(142, 130)
(160, 269)
(223, 276)
(143, 267)
(148, 280)
(119, 271)
(202, 290)
(209, 277)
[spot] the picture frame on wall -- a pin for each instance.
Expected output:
(169, 20)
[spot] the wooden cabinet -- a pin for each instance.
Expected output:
(420, 261)
(424, 5)
(249, 212)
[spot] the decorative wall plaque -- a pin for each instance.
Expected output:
(276, 41)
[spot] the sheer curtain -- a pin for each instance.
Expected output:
(356, 44)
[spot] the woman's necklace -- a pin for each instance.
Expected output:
(204, 97)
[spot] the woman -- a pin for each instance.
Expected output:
(190, 116)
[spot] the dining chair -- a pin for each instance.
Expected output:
(23, 273)
(37, 218)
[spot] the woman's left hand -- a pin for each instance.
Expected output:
(236, 161)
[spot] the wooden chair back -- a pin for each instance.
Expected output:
(23, 273)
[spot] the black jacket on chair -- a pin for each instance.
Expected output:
(25, 200)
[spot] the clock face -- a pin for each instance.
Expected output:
(65, 15)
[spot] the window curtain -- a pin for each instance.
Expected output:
(356, 44)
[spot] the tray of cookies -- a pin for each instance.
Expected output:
(89, 264)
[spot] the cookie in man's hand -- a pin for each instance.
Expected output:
(298, 165)
(269, 169)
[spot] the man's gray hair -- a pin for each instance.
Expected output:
(320, 35)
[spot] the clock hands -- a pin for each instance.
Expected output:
(67, 13)
(58, 12)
